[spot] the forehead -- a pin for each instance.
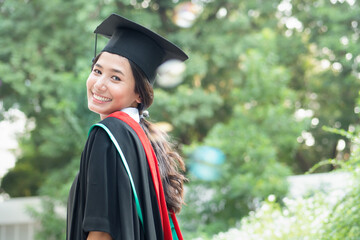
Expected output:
(114, 62)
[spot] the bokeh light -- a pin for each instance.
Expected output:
(205, 162)
(170, 73)
(186, 13)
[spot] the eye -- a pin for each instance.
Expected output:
(97, 71)
(116, 78)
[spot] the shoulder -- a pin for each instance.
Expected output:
(116, 124)
(124, 135)
(99, 138)
(101, 143)
(113, 124)
(122, 132)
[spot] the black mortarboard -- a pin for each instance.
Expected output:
(142, 46)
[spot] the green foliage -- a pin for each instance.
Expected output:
(344, 220)
(311, 218)
(15, 184)
(323, 216)
(53, 225)
(247, 74)
(258, 140)
(45, 80)
(194, 112)
(331, 31)
(297, 219)
(53, 207)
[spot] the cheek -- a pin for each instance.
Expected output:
(89, 83)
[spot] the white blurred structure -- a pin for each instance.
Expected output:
(10, 128)
(15, 221)
(333, 183)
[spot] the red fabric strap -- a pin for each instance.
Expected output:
(155, 173)
(176, 225)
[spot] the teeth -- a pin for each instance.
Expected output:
(103, 99)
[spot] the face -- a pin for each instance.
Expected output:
(111, 85)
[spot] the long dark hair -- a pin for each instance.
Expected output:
(171, 164)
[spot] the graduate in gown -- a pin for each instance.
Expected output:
(130, 182)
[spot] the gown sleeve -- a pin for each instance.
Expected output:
(100, 180)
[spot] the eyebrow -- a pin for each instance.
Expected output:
(112, 69)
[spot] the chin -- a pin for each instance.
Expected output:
(93, 109)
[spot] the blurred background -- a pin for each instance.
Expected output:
(265, 112)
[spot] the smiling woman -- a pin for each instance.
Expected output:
(130, 184)
(111, 85)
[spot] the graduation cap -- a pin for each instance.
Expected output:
(142, 46)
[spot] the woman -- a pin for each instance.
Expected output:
(128, 186)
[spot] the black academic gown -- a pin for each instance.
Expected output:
(101, 197)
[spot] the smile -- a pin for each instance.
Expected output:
(102, 99)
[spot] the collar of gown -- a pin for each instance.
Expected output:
(133, 113)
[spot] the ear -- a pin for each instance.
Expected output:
(138, 99)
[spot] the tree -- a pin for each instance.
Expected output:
(249, 70)
(258, 140)
(330, 90)
(49, 73)
(44, 79)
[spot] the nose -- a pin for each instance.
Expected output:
(100, 83)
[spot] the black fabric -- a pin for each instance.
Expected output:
(101, 198)
(141, 45)
(138, 48)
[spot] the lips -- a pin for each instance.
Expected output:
(101, 99)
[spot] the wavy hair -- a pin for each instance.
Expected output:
(171, 164)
